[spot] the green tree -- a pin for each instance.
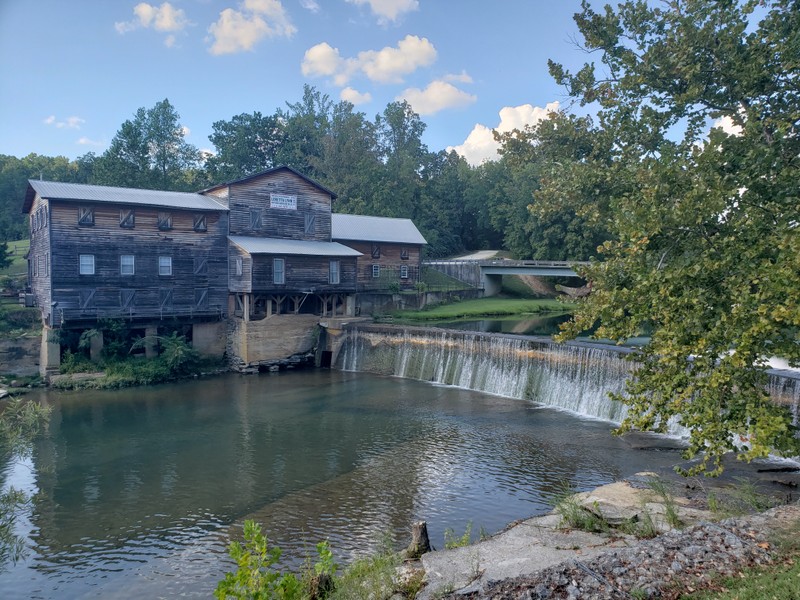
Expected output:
(246, 144)
(571, 224)
(305, 123)
(349, 162)
(149, 151)
(403, 154)
(705, 246)
(5, 255)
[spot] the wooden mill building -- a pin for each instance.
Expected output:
(263, 246)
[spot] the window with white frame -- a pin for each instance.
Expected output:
(334, 271)
(127, 264)
(165, 266)
(403, 271)
(86, 264)
(376, 271)
(278, 271)
(239, 266)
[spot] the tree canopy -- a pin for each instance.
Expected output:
(704, 247)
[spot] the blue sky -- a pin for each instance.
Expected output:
(74, 70)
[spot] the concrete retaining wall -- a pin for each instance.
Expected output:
(270, 341)
(20, 356)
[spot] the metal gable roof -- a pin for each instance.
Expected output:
(269, 172)
(79, 192)
(259, 245)
(363, 228)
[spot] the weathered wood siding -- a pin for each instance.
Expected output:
(196, 287)
(239, 283)
(303, 274)
(254, 195)
(390, 261)
(40, 257)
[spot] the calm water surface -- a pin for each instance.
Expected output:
(137, 492)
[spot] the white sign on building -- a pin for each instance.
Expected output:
(284, 201)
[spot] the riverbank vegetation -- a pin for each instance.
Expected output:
(20, 423)
(122, 361)
(15, 320)
(256, 576)
(485, 307)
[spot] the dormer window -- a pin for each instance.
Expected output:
(85, 216)
(127, 218)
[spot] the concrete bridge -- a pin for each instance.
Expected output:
(488, 274)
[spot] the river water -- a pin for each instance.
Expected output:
(136, 493)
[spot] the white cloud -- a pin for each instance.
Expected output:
(185, 130)
(480, 144)
(388, 10)
(240, 30)
(354, 96)
(84, 141)
(437, 96)
(164, 19)
(728, 125)
(310, 5)
(387, 65)
(462, 77)
(390, 64)
(68, 123)
(321, 60)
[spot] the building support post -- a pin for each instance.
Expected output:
(96, 346)
(50, 352)
(151, 343)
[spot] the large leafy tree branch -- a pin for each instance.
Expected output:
(705, 241)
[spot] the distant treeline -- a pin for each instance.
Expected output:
(377, 167)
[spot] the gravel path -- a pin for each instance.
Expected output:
(664, 567)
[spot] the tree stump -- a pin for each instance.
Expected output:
(420, 544)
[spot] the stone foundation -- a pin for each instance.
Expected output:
(271, 341)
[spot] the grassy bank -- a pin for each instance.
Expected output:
(486, 307)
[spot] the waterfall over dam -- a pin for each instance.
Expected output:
(576, 376)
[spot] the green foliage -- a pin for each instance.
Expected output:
(662, 490)
(149, 151)
(451, 541)
(176, 353)
(255, 577)
(704, 247)
(245, 144)
(75, 363)
(20, 423)
(486, 307)
(16, 319)
(5, 255)
(371, 577)
(575, 516)
(641, 526)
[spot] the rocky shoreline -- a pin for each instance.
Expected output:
(540, 558)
